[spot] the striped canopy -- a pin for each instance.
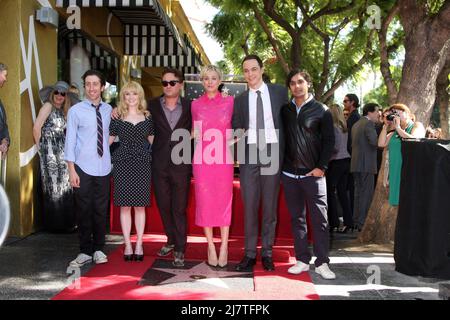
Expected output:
(141, 12)
(149, 33)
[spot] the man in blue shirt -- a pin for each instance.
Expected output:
(89, 160)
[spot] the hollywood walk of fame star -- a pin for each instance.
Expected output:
(201, 273)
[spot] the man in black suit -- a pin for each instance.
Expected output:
(257, 113)
(351, 103)
(364, 162)
(4, 132)
(172, 175)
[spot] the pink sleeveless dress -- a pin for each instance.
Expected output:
(213, 162)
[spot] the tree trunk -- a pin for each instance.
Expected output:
(384, 56)
(442, 99)
(382, 217)
(427, 44)
(420, 71)
(295, 52)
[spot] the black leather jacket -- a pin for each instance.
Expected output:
(309, 137)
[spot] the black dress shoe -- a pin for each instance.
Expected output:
(246, 264)
(267, 263)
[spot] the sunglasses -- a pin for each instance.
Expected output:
(56, 92)
(172, 83)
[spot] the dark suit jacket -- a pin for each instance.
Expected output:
(162, 144)
(364, 147)
(352, 119)
(4, 132)
(241, 115)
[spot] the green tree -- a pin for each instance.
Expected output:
(329, 39)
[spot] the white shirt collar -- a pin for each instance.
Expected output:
(310, 97)
(263, 88)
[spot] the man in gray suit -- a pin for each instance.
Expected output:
(364, 162)
(4, 133)
(257, 113)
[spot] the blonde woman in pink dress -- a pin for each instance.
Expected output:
(213, 163)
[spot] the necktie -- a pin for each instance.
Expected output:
(260, 132)
(99, 130)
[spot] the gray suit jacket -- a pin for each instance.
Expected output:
(241, 114)
(364, 147)
(4, 133)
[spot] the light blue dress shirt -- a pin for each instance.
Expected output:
(81, 138)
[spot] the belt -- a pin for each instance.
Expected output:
(290, 175)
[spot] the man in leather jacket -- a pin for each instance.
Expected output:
(309, 144)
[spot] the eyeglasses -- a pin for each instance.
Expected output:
(56, 92)
(172, 83)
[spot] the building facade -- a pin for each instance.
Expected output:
(125, 39)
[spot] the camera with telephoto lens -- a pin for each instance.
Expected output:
(392, 115)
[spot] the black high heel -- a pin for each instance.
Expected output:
(139, 257)
(128, 257)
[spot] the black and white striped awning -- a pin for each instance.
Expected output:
(188, 63)
(142, 40)
(101, 59)
(147, 13)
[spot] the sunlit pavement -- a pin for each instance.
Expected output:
(34, 268)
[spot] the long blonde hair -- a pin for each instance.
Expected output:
(66, 104)
(132, 86)
(338, 117)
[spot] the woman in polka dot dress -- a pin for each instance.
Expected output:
(132, 164)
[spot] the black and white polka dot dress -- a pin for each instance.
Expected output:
(132, 163)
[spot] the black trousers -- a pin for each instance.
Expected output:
(257, 188)
(91, 207)
(172, 194)
(311, 192)
(337, 180)
(351, 191)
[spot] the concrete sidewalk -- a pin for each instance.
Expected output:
(34, 268)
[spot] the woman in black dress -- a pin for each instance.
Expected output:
(132, 163)
(49, 132)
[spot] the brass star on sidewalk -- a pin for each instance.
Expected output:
(201, 273)
(196, 274)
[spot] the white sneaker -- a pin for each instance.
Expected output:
(81, 260)
(325, 272)
(298, 268)
(100, 257)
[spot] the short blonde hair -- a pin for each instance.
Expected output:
(133, 87)
(210, 67)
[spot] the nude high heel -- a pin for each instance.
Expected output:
(212, 257)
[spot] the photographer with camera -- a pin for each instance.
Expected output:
(402, 120)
